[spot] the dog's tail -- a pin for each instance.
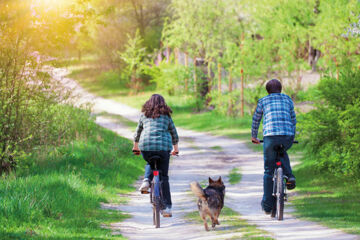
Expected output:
(197, 190)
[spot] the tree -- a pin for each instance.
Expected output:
(134, 57)
(29, 100)
(201, 29)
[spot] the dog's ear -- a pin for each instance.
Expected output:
(219, 180)
(210, 180)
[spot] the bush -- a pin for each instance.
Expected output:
(332, 131)
(170, 77)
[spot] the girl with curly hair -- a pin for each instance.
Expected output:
(156, 135)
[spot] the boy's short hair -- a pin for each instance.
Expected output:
(273, 86)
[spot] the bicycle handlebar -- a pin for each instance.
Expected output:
(295, 141)
(136, 152)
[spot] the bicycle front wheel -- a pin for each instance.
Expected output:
(279, 194)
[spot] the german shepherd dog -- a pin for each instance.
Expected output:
(211, 200)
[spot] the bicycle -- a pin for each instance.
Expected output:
(156, 194)
(279, 183)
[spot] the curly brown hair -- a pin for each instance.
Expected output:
(156, 106)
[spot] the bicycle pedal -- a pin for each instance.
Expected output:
(145, 192)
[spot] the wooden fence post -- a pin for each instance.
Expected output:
(176, 52)
(219, 78)
(195, 80)
(167, 54)
(186, 65)
(230, 110)
(209, 74)
(242, 92)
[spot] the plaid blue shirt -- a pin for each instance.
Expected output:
(156, 134)
(279, 116)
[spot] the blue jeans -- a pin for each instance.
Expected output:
(164, 168)
(269, 165)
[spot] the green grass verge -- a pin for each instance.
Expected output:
(234, 176)
(333, 201)
(231, 222)
(59, 195)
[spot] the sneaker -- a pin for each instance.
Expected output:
(167, 212)
(144, 188)
(267, 212)
(290, 183)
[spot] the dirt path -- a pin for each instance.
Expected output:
(202, 155)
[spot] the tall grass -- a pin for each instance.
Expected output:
(59, 195)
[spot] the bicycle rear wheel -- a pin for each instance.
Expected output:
(156, 201)
(279, 194)
(156, 214)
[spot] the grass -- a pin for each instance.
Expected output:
(234, 176)
(333, 201)
(59, 195)
(217, 148)
(232, 223)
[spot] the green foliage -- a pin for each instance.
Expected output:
(311, 94)
(169, 77)
(59, 195)
(30, 114)
(134, 58)
(223, 102)
(199, 27)
(332, 130)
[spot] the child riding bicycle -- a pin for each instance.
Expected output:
(278, 128)
(156, 135)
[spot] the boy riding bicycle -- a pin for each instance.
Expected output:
(278, 128)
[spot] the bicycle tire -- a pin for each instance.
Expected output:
(273, 210)
(279, 194)
(156, 209)
(152, 200)
(157, 200)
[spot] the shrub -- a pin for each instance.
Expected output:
(169, 77)
(332, 131)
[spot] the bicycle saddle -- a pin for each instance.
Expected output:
(279, 149)
(154, 160)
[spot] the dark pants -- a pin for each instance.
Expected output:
(163, 166)
(269, 166)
